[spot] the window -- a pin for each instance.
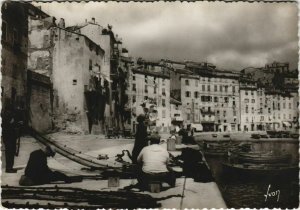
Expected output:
(246, 93)
(252, 110)
(226, 89)
(203, 87)
(278, 116)
(14, 71)
(208, 87)
(221, 88)
(163, 91)
(154, 90)
(187, 94)
(215, 88)
(253, 101)
(163, 113)
(261, 118)
(290, 105)
(246, 100)
(233, 103)
(196, 94)
(226, 99)
(233, 89)
(252, 93)
(187, 82)
(146, 79)
(13, 94)
(90, 65)
(163, 102)
(290, 116)
(133, 78)
(146, 89)
(163, 82)
(133, 99)
(269, 110)
(247, 109)
(133, 87)
(283, 105)
(215, 99)
(234, 112)
(15, 36)
(196, 83)
(284, 116)
(188, 116)
(74, 81)
(4, 31)
(224, 113)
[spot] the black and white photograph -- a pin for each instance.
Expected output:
(163, 104)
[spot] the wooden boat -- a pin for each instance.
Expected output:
(259, 157)
(248, 170)
(215, 149)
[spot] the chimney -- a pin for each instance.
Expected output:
(61, 23)
(93, 20)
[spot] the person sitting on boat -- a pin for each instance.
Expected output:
(154, 160)
(37, 171)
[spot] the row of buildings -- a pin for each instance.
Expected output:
(81, 79)
(216, 100)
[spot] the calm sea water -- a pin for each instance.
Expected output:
(243, 193)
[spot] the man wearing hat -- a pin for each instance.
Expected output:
(37, 171)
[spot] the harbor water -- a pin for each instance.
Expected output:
(260, 192)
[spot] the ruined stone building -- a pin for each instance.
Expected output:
(74, 64)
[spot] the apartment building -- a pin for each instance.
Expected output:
(149, 92)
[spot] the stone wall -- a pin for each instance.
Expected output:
(39, 100)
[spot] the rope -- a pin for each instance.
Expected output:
(182, 195)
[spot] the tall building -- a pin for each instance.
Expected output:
(14, 43)
(112, 45)
(211, 98)
(149, 92)
(28, 92)
(74, 64)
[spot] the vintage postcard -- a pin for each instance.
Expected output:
(128, 105)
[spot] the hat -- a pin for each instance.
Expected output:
(51, 149)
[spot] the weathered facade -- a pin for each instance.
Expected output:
(40, 96)
(16, 87)
(111, 70)
(74, 64)
(14, 42)
(150, 95)
(211, 98)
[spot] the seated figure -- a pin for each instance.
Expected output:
(154, 159)
(37, 171)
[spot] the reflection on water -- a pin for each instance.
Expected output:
(261, 192)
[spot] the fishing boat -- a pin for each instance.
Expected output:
(215, 149)
(259, 157)
(248, 170)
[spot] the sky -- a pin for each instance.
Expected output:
(232, 36)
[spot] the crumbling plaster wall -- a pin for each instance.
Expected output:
(71, 73)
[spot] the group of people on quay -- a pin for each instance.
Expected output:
(148, 155)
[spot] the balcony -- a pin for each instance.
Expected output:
(207, 112)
